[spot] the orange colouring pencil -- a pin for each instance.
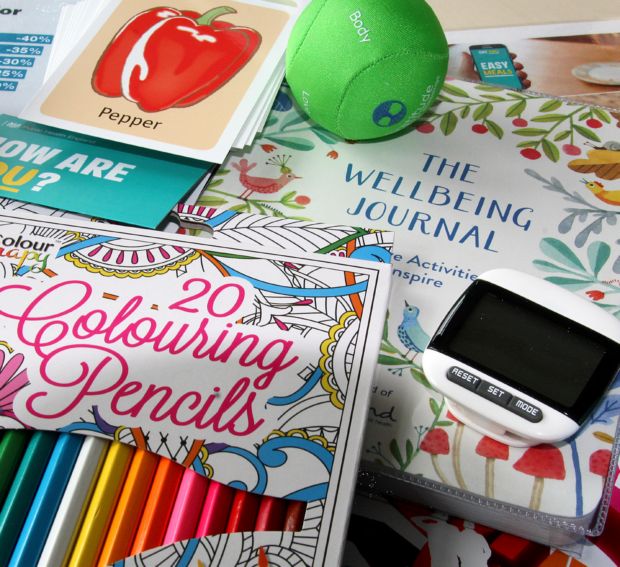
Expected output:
(294, 518)
(271, 514)
(187, 507)
(158, 507)
(216, 509)
(243, 512)
(128, 512)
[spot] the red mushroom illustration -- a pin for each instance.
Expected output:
(436, 442)
(542, 461)
(599, 462)
(491, 449)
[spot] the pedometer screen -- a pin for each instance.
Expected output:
(527, 348)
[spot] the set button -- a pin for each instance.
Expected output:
(495, 394)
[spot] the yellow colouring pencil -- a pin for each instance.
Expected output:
(101, 507)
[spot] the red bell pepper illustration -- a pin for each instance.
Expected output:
(164, 58)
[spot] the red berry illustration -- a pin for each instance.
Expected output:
(571, 150)
(519, 122)
(595, 294)
(594, 123)
(530, 153)
(302, 200)
(425, 128)
(479, 129)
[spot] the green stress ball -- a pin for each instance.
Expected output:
(366, 68)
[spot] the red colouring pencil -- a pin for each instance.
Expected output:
(216, 510)
(187, 507)
(271, 515)
(158, 507)
(243, 512)
(295, 513)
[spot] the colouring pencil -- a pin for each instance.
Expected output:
(187, 507)
(74, 502)
(158, 507)
(243, 512)
(12, 449)
(271, 514)
(129, 509)
(101, 507)
(295, 513)
(214, 516)
(23, 489)
(46, 501)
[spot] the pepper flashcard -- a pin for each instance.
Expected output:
(182, 78)
(251, 365)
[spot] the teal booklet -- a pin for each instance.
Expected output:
(98, 178)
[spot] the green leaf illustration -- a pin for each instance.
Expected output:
(529, 144)
(586, 133)
(271, 121)
(448, 123)
(584, 115)
(558, 251)
(551, 150)
(419, 377)
(443, 98)
(215, 183)
(324, 135)
(396, 452)
(602, 115)
(292, 119)
(483, 111)
(550, 105)
(387, 348)
(516, 109)
(391, 360)
(561, 136)
(494, 129)
(212, 201)
(488, 88)
(514, 95)
(445, 423)
(409, 450)
(454, 91)
(549, 267)
(569, 283)
(548, 118)
(465, 112)
(529, 132)
(385, 329)
(293, 205)
(292, 142)
(222, 172)
(494, 98)
(434, 406)
(239, 208)
(598, 254)
(288, 196)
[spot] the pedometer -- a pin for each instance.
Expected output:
(522, 360)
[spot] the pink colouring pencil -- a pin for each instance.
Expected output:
(187, 507)
(216, 509)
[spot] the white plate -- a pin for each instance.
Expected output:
(599, 73)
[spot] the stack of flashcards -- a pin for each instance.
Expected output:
(195, 78)
(89, 176)
(248, 368)
(71, 500)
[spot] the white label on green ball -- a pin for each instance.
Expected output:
(356, 17)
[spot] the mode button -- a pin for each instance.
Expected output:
(525, 410)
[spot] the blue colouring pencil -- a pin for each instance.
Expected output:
(46, 501)
(23, 489)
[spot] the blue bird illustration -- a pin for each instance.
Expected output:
(411, 333)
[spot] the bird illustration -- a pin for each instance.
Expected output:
(411, 333)
(263, 184)
(609, 197)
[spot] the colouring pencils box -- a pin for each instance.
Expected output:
(249, 365)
